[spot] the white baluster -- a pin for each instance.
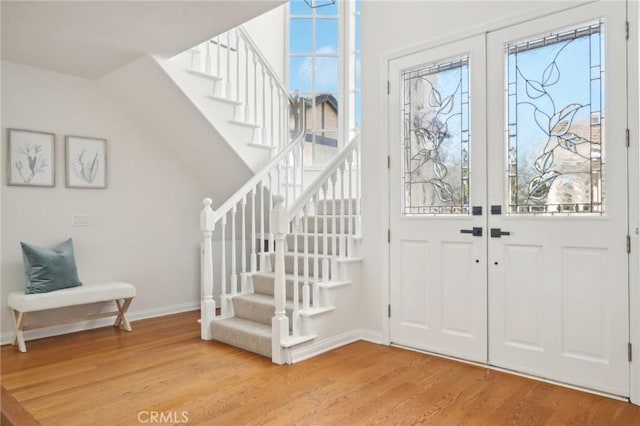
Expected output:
(334, 239)
(224, 301)
(305, 277)
(247, 107)
(273, 141)
(302, 142)
(218, 41)
(341, 239)
(316, 255)
(350, 241)
(238, 74)
(280, 322)
(243, 255)
(234, 275)
(286, 180)
(228, 82)
(264, 109)
(294, 156)
(265, 262)
(271, 194)
(255, 89)
(296, 278)
(254, 259)
(207, 58)
(208, 303)
(281, 139)
(358, 191)
(325, 236)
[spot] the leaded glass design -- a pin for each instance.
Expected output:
(555, 123)
(435, 111)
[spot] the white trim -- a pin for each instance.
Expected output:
(296, 355)
(633, 112)
(5, 338)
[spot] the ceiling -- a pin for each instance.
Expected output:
(92, 38)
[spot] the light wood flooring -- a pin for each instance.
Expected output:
(110, 377)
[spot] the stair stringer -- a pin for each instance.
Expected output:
(336, 327)
(199, 89)
(147, 92)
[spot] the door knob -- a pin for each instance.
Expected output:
(475, 231)
(497, 233)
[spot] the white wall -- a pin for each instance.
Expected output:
(269, 32)
(144, 225)
(389, 27)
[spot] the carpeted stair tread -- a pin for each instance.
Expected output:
(263, 283)
(257, 307)
(244, 334)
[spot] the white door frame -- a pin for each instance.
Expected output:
(633, 111)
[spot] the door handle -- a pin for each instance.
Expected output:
(475, 231)
(497, 233)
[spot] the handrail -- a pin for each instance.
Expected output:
(264, 61)
(253, 182)
(320, 180)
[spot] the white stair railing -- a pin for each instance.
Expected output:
(344, 213)
(244, 77)
(259, 191)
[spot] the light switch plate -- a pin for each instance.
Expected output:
(80, 219)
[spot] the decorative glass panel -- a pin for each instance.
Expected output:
(555, 123)
(435, 110)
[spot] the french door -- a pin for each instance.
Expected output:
(508, 195)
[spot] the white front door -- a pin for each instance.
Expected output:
(438, 273)
(550, 269)
(558, 284)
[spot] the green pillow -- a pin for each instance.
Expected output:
(49, 270)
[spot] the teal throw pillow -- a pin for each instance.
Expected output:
(49, 270)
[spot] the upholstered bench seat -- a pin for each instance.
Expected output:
(120, 292)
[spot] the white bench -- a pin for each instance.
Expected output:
(120, 292)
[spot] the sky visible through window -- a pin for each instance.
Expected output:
(320, 52)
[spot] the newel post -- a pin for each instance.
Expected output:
(208, 303)
(280, 322)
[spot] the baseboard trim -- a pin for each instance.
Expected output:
(5, 338)
(295, 355)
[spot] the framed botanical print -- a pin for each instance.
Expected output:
(86, 162)
(31, 158)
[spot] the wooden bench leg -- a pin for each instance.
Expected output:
(123, 306)
(18, 336)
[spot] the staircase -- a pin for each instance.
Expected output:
(250, 326)
(280, 255)
(296, 296)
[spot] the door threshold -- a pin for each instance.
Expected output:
(515, 373)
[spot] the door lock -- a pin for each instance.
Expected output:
(475, 231)
(497, 233)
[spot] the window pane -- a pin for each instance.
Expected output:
(326, 74)
(555, 123)
(300, 36)
(300, 73)
(436, 137)
(299, 7)
(326, 7)
(327, 36)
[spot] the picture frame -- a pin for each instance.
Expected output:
(30, 158)
(86, 162)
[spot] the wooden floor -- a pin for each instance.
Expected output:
(162, 368)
